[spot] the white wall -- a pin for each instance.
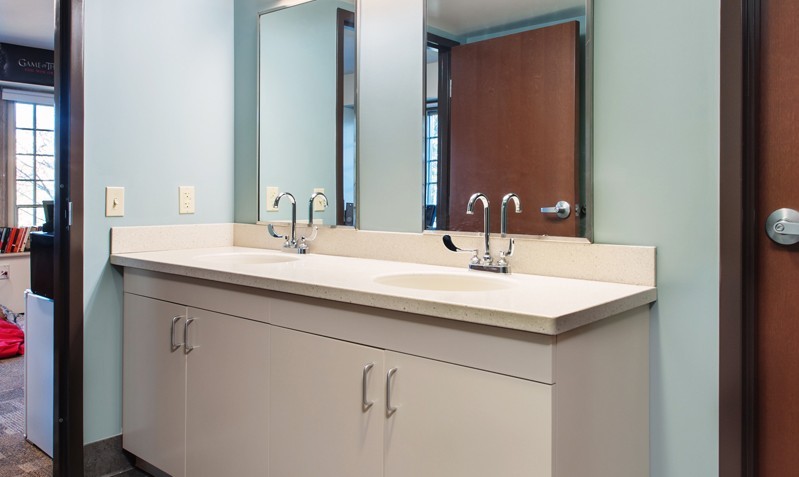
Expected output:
(12, 290)
(656, 161)
(158, 114)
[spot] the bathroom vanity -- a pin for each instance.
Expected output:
(242, 361)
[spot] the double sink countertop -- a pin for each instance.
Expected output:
(532, 303)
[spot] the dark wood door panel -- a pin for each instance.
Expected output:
(777, 340)
(514, 127)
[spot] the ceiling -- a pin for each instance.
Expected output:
(464, 17)
(28, 23)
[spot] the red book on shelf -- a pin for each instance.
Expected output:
(10, 245)
(23, 233)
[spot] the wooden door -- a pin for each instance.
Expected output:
(514, 128)
(777, 292)
(457, 421)
(227, 396)
(318, 425)
(154, 384)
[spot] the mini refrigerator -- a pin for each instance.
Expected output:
(39, 371)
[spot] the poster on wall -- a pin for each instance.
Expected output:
(23, 64)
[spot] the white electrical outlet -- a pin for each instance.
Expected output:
(186, 198)
(5, 272)
(319, 203)
(114, 201)
(271, 194)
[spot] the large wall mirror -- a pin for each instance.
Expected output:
(306, 109)
(508, 110)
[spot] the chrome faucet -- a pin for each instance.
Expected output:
(503, 226)
(303, 246)
(487, 264)
(290, 242)
(487, 260)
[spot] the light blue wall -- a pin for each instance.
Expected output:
(656, 161)
(158, 114)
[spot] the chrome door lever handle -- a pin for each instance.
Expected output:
(562, 209)
(782, 226)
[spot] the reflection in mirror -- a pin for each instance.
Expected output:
(306, 109)
(505, 112)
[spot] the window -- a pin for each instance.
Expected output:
(431, 165)
(34, 165)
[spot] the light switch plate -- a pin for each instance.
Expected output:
(318, 203)
(271, 194)
(114, 201)
(186, 197)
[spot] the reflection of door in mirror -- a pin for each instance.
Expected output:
(307, 109)
(512, 126)
(345, 117)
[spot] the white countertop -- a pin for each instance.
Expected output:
(531, 303)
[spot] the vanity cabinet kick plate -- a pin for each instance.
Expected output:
(114, 201)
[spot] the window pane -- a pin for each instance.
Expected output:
(432, 192)
(44, 142)
(45, 170)
(45, 117)
(24, 167)
(45, 190)
(432, 155)
(433, 131)
(25, 193)
(24, 141)
(432, 172)
(25, 217)
(24, 114)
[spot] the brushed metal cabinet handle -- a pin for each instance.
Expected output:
(364, 398)
(389, 408)
(186, 347)
(175, 346)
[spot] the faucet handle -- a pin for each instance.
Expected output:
(451, 246)
(271, 229)
(314, 233)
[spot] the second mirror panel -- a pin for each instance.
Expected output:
(307, 110)
(504, 113)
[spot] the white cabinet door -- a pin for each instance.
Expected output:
(154, 384)
(457, 421)
(318, 423)
(227, 396)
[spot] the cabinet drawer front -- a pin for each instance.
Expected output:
(499, 350)
(455, 421)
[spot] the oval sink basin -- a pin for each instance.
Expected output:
(234, 258)
(445, 282)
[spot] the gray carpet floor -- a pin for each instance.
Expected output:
(17, 456)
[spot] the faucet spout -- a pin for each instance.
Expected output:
(293, 241)
(487, 260)
(310, 205)
(503, 223)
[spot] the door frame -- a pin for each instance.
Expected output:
(738, 233)
(68, 242)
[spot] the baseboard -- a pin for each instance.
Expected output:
(105, 458)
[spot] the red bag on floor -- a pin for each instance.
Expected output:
(12, 340)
